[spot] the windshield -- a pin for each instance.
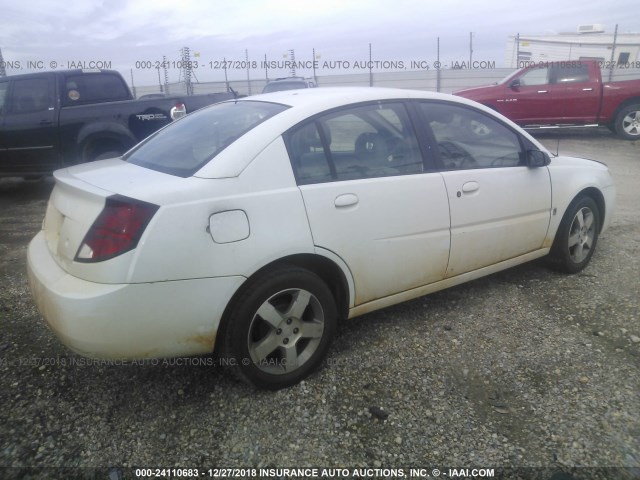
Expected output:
(185, 146)
(280, 86)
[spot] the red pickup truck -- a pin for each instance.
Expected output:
(562, 94)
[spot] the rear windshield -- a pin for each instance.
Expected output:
(185, 146)
(93, 88)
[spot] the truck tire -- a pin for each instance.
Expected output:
(628, 122)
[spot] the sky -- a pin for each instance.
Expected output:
(133, 36)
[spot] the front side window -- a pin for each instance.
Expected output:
(468, 138)
(536, 76)
(182, 148)
(30, 95)
(358, 142)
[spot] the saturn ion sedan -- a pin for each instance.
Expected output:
(251, 227)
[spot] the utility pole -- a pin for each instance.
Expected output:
(438, 65)
(3, 72)
(166, 74)
(292, 56)
(470, 48)
(187, 69)
(370, 67)
(613, 52)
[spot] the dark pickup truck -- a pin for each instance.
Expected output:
(50, 120)
(563, 94)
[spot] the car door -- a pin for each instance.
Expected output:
(500, 208)
(529, 100)
(578, 99)
(369, 199)
(30, 126)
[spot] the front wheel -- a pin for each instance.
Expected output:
(577, 236)
(280, 328)
(628, 122)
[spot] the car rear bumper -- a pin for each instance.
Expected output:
(127, 321)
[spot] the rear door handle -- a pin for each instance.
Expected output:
(346, 200)
(470, 187)
(543, 91)
(587, 89)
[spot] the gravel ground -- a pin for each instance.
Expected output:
(525, 368)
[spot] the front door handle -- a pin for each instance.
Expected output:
(470, 187)
(346, 200)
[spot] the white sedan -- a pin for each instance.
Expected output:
(251, 227)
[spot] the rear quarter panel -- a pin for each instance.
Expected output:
(614, 94)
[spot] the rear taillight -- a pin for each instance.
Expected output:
(117, 229)
(179, 111)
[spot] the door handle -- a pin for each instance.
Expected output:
(587, 89)
(470, 187)
(346, 200)
(45, 122)
(543, 91)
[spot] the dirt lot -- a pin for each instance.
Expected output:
(526, 368)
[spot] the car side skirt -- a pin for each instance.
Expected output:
(443, 284)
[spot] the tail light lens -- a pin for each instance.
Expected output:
(179, 111)
(117, 229)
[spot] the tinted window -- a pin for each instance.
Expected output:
(468, 138)
(187, 145)
(93, 88)
(358, 142)
(30, 95)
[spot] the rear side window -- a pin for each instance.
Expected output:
(93, 88)
(353, 143)
(185, 146)
(571, 73)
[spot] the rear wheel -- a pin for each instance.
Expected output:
(577, 236)
(628, 122)
(280, 328)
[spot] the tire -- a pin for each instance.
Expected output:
(279, 328)
(628, 122)
(577, 236)
(102, 149)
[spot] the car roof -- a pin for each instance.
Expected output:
(336, 96)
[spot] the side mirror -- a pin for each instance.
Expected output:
(515, 83)
(536, 158)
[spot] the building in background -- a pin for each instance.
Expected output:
(588, 42)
